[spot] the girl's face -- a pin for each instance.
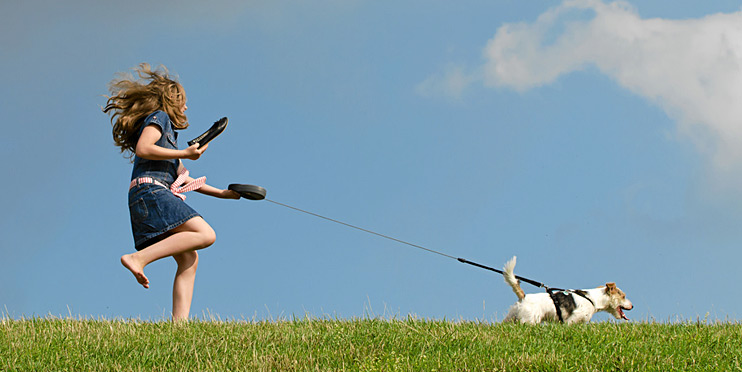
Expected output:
(182, 98)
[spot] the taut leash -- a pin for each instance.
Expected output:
(532, 282)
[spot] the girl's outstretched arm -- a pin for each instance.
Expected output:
(218, 193)
(147, 149)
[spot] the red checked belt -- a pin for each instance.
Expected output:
(178, 187)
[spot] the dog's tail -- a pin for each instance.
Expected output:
(511, 280)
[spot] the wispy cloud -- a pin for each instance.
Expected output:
(451, 83)
(691, 68)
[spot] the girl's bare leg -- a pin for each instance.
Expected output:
(183, 284)
(192, 235)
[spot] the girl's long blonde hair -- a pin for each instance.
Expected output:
(132, 100)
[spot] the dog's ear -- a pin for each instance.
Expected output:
(610, 288)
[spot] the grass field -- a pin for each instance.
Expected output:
(49, 344)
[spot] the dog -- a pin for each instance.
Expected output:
(577, 306)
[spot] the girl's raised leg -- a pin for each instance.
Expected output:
(194, 234)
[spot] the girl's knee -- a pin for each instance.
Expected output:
(187, 259)
(209, 236)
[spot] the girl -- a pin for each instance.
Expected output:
(145, 115)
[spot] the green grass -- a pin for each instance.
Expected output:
(48, 344)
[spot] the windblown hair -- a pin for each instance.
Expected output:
(132, 100)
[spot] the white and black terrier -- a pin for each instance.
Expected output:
(575, 306)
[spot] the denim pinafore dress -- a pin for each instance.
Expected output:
(154, 209)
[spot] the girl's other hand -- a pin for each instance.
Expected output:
(193, 152)
(229, 194)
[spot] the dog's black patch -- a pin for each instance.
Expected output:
(566, 303)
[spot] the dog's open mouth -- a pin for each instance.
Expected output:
(621, 313)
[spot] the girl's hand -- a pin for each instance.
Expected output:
(193, 152)
(229, 194)
(218, 193)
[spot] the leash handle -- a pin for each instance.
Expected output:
(526, 280)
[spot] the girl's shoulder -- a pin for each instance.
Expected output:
(159, 118)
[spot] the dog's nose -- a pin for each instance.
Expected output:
(629, 306)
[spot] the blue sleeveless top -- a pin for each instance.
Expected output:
(164, 171)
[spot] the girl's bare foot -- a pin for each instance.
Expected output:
(130, 263)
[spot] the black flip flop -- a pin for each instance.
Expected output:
(210, 134)
(251, 192)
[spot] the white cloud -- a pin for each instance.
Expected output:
(450, 83)
(691, 68)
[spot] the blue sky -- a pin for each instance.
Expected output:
(597, 141)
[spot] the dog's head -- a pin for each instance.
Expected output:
(617, 302)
